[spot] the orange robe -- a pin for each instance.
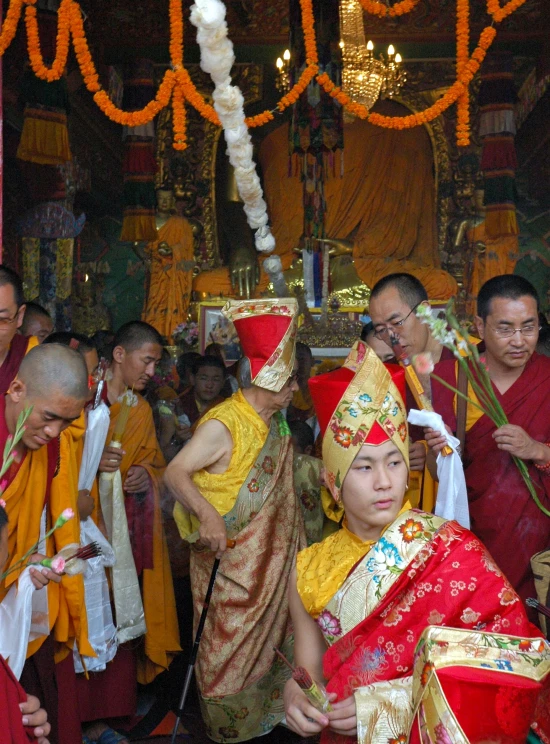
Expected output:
(170, 278)
(162, 637)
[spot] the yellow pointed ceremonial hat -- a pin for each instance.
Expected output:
(267, 332)
(360, 403)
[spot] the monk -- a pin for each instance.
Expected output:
(502, 511)
(53, 380)
(36, 322)
(234, 480)
(13, 346)
(393, 302)
(137, 349)
(33, 724)
(396, 613)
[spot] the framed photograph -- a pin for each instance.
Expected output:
(215, 328)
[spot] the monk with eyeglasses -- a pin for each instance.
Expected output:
(503, 513)
(13, 346)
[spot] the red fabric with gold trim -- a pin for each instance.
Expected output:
(260, 335)
(327, 391)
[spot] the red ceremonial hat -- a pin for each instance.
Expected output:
(328, 390)
(267, 332)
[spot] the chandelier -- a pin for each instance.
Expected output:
(365, 78)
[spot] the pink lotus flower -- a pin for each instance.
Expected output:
(58, 564)
(423, 363)
(2, 502)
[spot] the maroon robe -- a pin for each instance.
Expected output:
(10, 366)
(503, 513)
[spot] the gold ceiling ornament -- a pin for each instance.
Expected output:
(365, 78)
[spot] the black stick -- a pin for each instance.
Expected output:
(194, 650)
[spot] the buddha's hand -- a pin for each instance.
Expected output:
(164, 249)
(244, 271)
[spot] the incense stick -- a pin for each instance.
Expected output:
(316, 694)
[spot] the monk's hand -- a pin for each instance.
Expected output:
(517, 442)
(301, 716)
(435, 440)
(137, 480)
(111, 459)
(40, 575)
(417, 456)
(212, 530)
(343, 716)
(85, 504)
(36, 718)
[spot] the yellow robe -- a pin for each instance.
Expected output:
(24, 498)
(249, 433)
(162, 638)
(171, 277)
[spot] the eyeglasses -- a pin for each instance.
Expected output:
(293, 378)
(509, 332)
(8, 321)
(382, 332)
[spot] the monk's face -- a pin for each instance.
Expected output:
(137, 367)
(389, 312)
(40, 326)
(509, 352)
(283, 398)
(374, 488)
(11, 316)
(51, 414)
(208, 383)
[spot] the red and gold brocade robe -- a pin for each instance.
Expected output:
(373, 602)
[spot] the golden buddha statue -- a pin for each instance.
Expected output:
(171, 262)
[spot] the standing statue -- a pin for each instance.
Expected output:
(171, 261)
(486, 257)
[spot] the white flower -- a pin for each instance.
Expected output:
(217, 58)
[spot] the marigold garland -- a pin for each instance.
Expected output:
(462, 51)
(500, 13)
(9, 27)
(178, 118)
(383, 11)
(62, 42)
(178, 86)
(413, 120)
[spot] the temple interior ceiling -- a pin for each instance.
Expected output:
(130, 27)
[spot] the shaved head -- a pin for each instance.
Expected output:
(53, 368)
(135, 334)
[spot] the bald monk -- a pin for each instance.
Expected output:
(36, 322)
(54, 381)
(13, 346)
(137, 349)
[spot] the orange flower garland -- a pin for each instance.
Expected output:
(413, 120)
(383, 11)
(178, 85)
(9, 27)
(498, 13)
(462, 50)
(82, 51)
(62, 42)
(178, 119)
